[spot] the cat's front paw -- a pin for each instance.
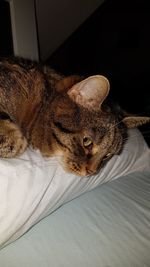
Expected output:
(12, 141)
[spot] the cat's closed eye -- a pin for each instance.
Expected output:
(62, 128)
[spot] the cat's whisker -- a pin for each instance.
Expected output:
(117, 123)
(145, 134)
(114, 125)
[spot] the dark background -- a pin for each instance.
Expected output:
(6, 44)
(114, 42)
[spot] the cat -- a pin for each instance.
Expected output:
(58, 115)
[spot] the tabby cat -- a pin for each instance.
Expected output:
(65, 116)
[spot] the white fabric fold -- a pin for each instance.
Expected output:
(32, 187)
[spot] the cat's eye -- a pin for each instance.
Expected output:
(87, 141)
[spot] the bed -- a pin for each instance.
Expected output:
(98, 222)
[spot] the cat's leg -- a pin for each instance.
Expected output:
(12, 141)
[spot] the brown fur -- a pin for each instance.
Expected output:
(56, 115)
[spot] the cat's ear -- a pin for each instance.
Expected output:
(91, 92)
(133, 121)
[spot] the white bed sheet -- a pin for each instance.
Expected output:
(31, 187)
(106, 227)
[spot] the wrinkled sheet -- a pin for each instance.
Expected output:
(32, 187)
(106, 227)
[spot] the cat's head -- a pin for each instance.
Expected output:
(85, 132)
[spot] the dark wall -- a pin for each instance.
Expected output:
(114, 42)
(6, 44)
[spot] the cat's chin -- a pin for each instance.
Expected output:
(72, 167)
(82, 171)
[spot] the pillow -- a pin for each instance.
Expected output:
(32, 187)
